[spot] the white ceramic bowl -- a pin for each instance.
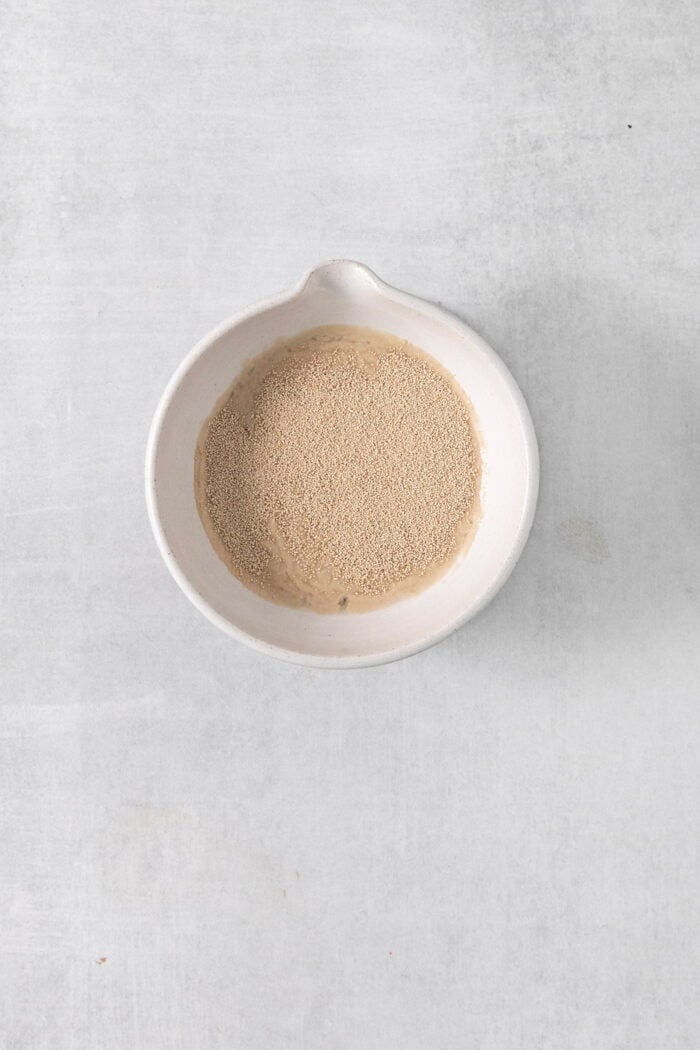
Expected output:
(343, 292)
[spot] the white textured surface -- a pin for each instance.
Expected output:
(493, 845)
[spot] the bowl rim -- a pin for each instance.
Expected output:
(439, 314)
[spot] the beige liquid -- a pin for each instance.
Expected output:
(341, 471)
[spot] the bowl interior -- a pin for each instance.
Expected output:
(344, 293)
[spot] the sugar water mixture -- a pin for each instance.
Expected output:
(340, 472)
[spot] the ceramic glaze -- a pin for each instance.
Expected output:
(343, 292)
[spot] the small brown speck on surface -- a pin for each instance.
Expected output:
(101, 961)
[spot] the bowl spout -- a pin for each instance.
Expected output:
(340, 276)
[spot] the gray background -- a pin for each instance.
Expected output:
(491, 845)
